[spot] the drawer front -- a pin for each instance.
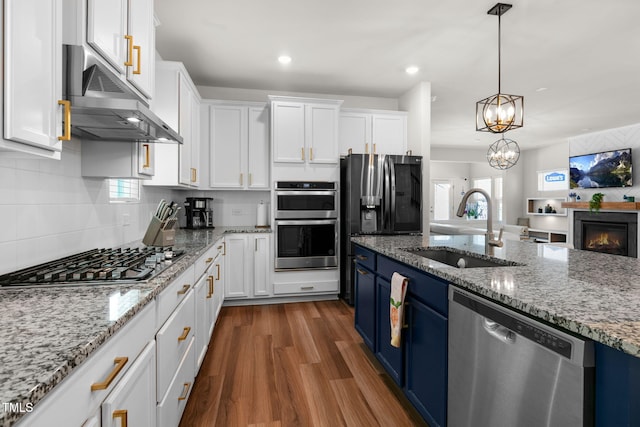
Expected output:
(429, 289)
(170, 409)
(306, 288)
(173, 295)
(73, 400)
(173, 340)
(365, 257)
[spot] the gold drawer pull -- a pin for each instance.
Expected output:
(362, 257)
(129, 61)
(184, 290)
(137, 70)
(311, 153)
(302, 151)
(66, 134)
(224, 246)
(185, 333)
(147, 156)
(208, 260)
(122, 414)
(218, 268)
(119, 362)
(306, 288)
(185, 391)
(210, 280)
(364, 273)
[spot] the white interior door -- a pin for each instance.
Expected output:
(441, 200)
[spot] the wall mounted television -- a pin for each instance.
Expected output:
(599, 170)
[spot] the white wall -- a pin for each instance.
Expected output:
(235, 208)
(48, 210)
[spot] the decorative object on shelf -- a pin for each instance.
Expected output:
(572, 196)
(629, 198)
(595, 202)
(503, 154)
(500, 112)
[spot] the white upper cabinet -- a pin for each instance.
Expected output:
(239, 144)
(177, 103)
(33, 116)
(304, 130)
(122, 32)
(378, 131)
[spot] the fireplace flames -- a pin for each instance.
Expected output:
(604, 242)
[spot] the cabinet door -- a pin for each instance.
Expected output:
(33, 75)
(261, 277)
(228, 133)
(141, 73)
(132, 401)
(426, 361)
(365, 305)
(355, 132)
(389, 134)
(202, 318)
(321, 133)
(237, 267)
(288, 132)
(258, 148)
(218, 290)
(184, 125)
(106, 28)
(390, 357)
(195, 140)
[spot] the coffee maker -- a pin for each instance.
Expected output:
(199, 213)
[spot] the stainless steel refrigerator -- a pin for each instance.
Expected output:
(380, 194)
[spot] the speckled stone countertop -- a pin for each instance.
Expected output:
(46, 332)
(594, 295)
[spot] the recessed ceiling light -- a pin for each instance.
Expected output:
(133, 119)
(412, 69)
(284, 59)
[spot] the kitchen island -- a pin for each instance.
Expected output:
(48, 332)
(589, 294)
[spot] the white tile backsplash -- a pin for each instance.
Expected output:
(48, 210)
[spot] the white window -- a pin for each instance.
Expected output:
(553, 180)
(497, 198)
(477, 203)
(124, 190)
(441, 204)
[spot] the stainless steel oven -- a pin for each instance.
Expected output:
(306, 225)
(306, 243)
(296, 199)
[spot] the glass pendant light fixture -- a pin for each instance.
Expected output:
(503, 153)
(500, 112)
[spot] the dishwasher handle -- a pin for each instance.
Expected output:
(498, 331)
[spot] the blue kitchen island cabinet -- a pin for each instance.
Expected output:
(365, 296)
(419, 366)
(617, 387)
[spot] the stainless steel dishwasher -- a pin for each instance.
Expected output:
(506, 369)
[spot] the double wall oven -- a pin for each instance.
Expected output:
(306, 225)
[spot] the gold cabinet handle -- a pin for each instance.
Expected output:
(185, 391)
(306, 288)
(210, 281)
(374, 148)
(147, 156)
(218, 268)
(241, 179)
(184, 289)
(250, 179)
(364, 273)
(119, 362)
(137, 70)
(185, 333)
(302, 151)
(122, 414)
(350, 151)
(409, 152)
(362, 257)
(366, 148)
(194, 174)
(208, 260)
(311, 153)
(129, 61)
(224, 248)
(66, 133)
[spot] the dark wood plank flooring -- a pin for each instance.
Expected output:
(300, 364)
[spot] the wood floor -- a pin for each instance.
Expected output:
(299, 364)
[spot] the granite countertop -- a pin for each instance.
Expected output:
(591, 294)
(46, 332)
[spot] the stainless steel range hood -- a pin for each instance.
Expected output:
(103, 107)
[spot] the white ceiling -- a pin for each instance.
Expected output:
(585, 52)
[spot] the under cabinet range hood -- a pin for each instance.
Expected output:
(103, 107)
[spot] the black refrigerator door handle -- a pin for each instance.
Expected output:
(392, 200)
(386, 196)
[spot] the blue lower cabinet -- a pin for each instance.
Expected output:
(390, 357)
(426, 361)
(617, 387)
(365, 305)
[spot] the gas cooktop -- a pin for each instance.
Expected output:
(96, 266)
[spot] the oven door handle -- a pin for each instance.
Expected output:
(306, 222)
(306, 193)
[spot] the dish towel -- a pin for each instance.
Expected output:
(396, 309)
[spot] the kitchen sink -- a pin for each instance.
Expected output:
(460, 259)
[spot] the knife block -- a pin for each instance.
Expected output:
(160, 233)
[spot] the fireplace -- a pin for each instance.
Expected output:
(607, 232)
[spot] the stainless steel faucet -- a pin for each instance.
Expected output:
(489, 241)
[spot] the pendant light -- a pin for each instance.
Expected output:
(500, 112)
(503, 153)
